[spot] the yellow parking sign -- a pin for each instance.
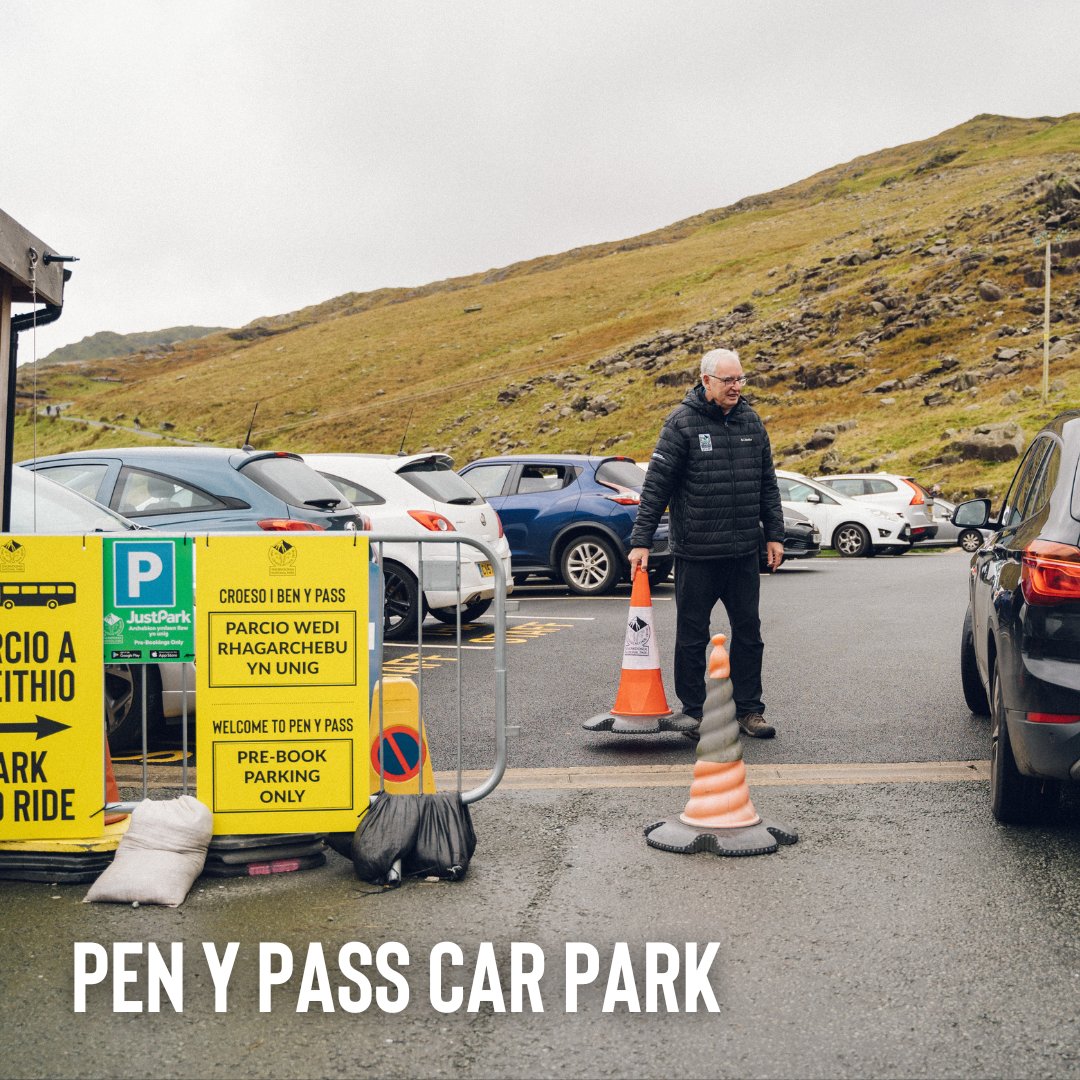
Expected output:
(52, 749)
(282, 681)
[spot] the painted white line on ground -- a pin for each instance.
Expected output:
(585, 778)
(437, 645)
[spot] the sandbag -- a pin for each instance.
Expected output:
(161, 854)
(430, 834)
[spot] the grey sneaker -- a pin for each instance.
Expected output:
(754, 725)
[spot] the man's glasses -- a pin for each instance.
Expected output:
(729, 380)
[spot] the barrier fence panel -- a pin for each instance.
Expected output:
(439, 561)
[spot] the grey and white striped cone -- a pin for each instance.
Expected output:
(641, 707)
(719, 815)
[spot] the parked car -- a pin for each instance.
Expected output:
(802, 538)
(949, 533)
(39, 505)
(204, 488)
(568, 517)
(900, 494)
(1020, 645)
(851, 527)
(419, 494)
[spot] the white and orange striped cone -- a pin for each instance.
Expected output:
(640, 707)
(112, 791)
(719, 815)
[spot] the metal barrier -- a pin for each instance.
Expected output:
(432, 574)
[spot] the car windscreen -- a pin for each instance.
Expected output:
(438, 481)
(624, 474)
(38, 504)
(294, 482)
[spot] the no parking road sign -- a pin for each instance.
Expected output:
(397, 755)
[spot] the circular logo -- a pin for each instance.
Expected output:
(397, 756)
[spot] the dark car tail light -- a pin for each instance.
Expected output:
(1050, 572)
(1053, 718)
(433, 521)
(290, 525)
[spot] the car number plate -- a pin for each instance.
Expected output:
(486, 570)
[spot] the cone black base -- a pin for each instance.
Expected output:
(638, 725)
(760, 839)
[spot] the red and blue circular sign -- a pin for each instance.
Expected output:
(398, 755)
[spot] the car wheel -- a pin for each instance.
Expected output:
(970, 540)
(851, 540)
(660, 570)
(590, 566)
(469, 612)
(124, 704)
(401, 602)
(1015, 799)
(974, 694)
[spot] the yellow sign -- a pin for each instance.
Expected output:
(282, 681)
(52, 736)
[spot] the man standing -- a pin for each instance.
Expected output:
(713, 467)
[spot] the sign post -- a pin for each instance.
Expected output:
(282, 681)
(52, 761)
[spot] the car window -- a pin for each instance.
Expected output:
(488, 480)
(797, 491)
(436, 479)
(1043, 486)
(39, 505)
(139, 493)
(876, 486)
(624, 474)
(1012, 513)
(81, 477)
(293, 481)
(537, 478)
(847, 486)
(357, 495)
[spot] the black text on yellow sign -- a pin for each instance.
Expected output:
(282, 681)
(51, 689)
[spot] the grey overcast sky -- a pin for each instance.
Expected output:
(211, 161)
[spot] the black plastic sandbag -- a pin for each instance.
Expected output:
(430, 835)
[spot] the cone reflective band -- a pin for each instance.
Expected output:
(641, 707)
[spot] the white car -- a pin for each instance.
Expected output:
(900, 494)
(851, 527)
(420, 494)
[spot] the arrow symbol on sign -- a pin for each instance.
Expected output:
(41, 727)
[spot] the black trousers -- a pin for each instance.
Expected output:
(698, 585)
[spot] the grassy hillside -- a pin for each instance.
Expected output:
(106, 343)
(887, 308)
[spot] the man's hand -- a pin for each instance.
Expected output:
(639, 559)
(774, 554)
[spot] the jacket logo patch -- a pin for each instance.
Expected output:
(746, 438)
(705, 441)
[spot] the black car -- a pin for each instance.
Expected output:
(1020, 649)
(802, 540)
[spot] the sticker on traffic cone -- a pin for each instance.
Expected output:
(640, 705)
(112, 791)
(719, 815)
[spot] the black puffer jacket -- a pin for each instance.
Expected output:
(715, 472)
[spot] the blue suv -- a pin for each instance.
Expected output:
(569, 516)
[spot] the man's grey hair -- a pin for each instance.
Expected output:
(712, 359)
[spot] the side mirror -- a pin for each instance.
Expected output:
(813, 497)
(975, 513)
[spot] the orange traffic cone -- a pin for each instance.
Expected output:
(641, 707)
(112, 791)
(719, 815)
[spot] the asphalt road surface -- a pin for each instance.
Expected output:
(905, 934)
